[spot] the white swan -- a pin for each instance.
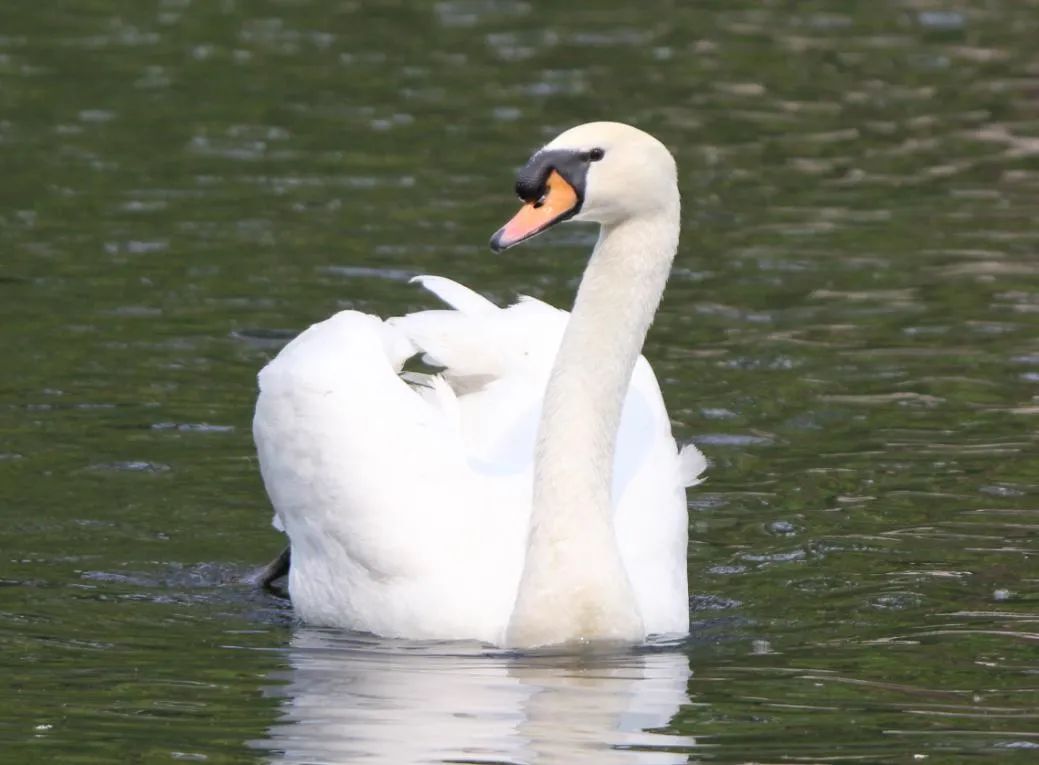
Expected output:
(528, 495)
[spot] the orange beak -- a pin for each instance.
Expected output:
(559, 199)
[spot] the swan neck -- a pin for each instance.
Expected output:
(615, 305)
(573, 564)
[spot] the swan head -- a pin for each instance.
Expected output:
(605, 172)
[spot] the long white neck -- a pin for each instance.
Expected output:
(574, 586)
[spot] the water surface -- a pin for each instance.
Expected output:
(851, 335)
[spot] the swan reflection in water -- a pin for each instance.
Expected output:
(351, 699)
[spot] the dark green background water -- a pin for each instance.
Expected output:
(851, 335)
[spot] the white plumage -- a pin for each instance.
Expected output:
(407, 497)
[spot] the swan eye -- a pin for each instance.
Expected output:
(596, 154)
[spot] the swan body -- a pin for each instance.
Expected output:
(529, 494)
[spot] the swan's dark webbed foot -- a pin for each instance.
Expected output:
(268, 577)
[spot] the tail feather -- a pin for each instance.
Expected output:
(691, 465)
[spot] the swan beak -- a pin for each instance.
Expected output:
(556, 203)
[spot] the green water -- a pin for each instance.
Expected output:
(851, 335)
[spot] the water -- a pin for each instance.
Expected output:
(850, 335)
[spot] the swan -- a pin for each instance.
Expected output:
(531, 493)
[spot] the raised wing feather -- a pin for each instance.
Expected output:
(456, 295)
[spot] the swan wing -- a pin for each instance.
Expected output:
(392, 530)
